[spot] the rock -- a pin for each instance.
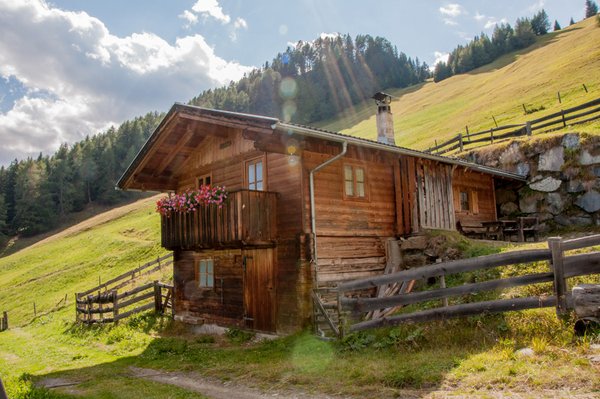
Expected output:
(552, 160)
(570, 141)
(414, 260)
(529, 204)
(588, 159)
(568, 221)
(504, 195)
(597, 171)
(589, 202)
(555, 203)
(509, 208)
(574, 186)
(525, 352)
(418, 242)
(544, 216)
(547, 185)
(523, 169)
(511, 155)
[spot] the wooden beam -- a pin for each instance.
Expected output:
(226, 122)
(180, 144)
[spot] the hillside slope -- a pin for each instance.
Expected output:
(73, 260)
(559, 61)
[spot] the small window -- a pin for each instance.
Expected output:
(206, 276)
(255, 174)
(464, 201)
(204, 181)
(354, 181)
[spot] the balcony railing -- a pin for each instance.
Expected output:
(246, 218)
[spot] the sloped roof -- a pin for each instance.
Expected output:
(185, 126)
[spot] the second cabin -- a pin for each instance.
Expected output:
(306, 209)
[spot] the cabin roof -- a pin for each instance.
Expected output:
(185, 127)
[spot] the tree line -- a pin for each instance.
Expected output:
(316, 80)
(35, 194)
(482, 49)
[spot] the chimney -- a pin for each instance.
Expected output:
(385, 122)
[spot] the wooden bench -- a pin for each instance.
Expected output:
(471, 231)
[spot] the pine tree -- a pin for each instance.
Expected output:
(556, 25)
(591, 8)
(540, 23)
(571, 22)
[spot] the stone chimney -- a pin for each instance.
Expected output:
(385, 122)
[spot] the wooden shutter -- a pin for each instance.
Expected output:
(474, 202)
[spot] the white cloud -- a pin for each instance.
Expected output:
(492, 22)
(240, 23)
(189, 17)
(440, 57)
(453, 10)
(91, 78)
(538, 5)
(211, 8)
(479, 17)
(450, 22)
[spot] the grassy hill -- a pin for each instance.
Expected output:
(559, 61)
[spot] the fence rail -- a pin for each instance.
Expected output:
(109, 304)
(561, 268)
(556, 120)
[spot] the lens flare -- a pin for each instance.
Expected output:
(288, 88)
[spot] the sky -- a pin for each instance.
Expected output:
(72, 68)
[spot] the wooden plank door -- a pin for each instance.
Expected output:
(259, 289)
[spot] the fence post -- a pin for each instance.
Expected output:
(115, 307)
(4, 321)
(562, 112)
(585, 88)
(560, 284)
(442, 286)
(559, 100)
(468, 135)
(460, 141)
(528, 128)
(157, 297)
(492, 135)
(76, 307)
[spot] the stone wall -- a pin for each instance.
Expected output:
(563, 178)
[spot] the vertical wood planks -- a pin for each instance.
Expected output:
(560, 284)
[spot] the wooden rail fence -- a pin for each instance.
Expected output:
(105, 304)
(95, 308)
(4, 321)
(561, 268)
(582, 113)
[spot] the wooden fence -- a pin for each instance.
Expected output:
(106, 307)
(561, 268)
(586, 112)
(4, 321)
(105, 304)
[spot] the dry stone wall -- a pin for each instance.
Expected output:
(563, 178)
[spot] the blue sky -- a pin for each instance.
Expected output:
(73, 68)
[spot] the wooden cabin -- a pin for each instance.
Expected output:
(307, 208)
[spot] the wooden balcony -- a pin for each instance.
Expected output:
(247, 218)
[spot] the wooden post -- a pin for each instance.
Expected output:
(560, 284)
(443, 285)
(521, 233)
(528, 128)
(468, 135)
(4, 321)
(585, 88)
(559, 100)
(495, 123)
(460, 142)
(100, 307)
(437, 150)
(524, 109)
(76, 307)
(157, 298)
(34, 310)
(562, 112)
(492, 135)
(115, 307)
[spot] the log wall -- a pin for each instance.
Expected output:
(222, 304)
(482, 196)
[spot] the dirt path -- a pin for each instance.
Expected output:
(213, 388)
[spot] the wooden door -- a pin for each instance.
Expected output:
(259, 289)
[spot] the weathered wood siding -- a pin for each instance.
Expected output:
(351, 231)
(292, 273)
(481, 189)
(222, 304)
(434, 195)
